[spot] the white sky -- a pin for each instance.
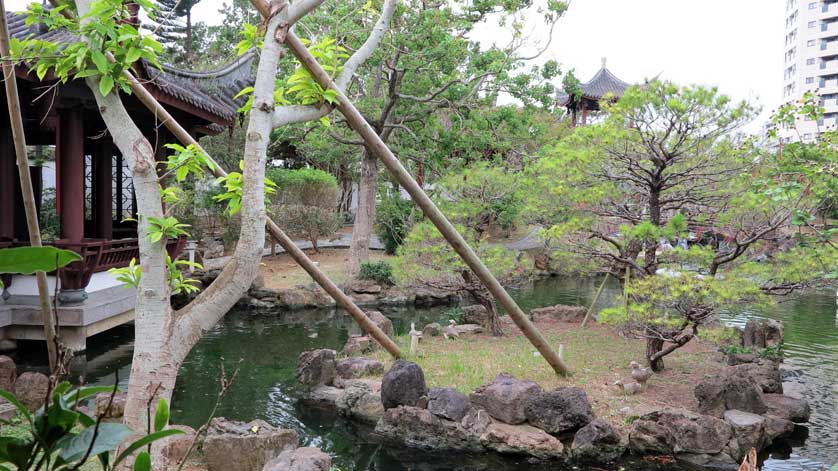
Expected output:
(736, 45)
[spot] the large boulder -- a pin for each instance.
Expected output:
(358, 367)
(316, 367)
(8, 373)
(761, 333)
(716, 394)
(116, 408)
(357, 344)
(789, 408)
(175, 447)
(521, 440)
(448, 403)
(476, 314)
(31, 389)
(383, 323)
(432, 330)
(419, 428)
(776, 427)
(748, 432)
(559, 312)
(766, 374)
(403, 385)
(301, 459)
(505, 398)
(597, 442)
(673, 431)
(560, 410)
(239, 446)
(361, 400)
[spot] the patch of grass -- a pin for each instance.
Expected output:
(18, 428)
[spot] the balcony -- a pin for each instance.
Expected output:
(828, 68)
(828, 10)
(828, 29)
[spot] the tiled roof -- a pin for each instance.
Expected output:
(602, 84)
(210, 91)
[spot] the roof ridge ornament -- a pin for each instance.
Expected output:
(604, 59)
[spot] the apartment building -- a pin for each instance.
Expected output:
(811, 62)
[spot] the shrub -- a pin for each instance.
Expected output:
(306, 203)
(393, 220)
(380, 271)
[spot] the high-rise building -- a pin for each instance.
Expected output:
(811, 62)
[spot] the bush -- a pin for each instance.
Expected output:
(306, 203)
(380, 272)
(393, 220)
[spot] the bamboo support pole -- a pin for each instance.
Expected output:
(13, 100)
(372, 140)
(596, 300)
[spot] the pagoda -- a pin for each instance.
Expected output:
(603, 85)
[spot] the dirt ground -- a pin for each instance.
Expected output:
(283, 272)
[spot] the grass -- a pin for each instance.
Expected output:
(18, 428)
(596, 354)
(282, 271)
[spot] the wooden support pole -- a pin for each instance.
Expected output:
(9, 78)
(596, 300)
(373, 142)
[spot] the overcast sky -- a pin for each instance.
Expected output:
(736, 45)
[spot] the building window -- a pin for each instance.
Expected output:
(810, 42)
(810, 61)
(810, 79)
(812, 24)
(813, 5)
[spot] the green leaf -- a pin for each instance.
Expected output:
(108, 438)
(150, 438)
(161, 415)
(15, 402)
(106, 85)
(133, 55)
(28, 260)
(101, 61)
(142, 462)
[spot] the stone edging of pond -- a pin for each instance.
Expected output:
(739, 408)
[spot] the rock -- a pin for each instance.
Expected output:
(766, 374)
(174, 448)
(239, 446)
(761, 333)
(264, 294)
(559, 312)
(673, 431)
(258, 282)
(734, 359)
(789, 408)
(597, 442)
(301, 459)
(326, 394)
(776, 427)
(468, 329)
(8, 373)
(31, 389)
(476, 314)
(505, 398)
(213, 249)
(521, 439)
(542, 262)
(716, 394)
(362, 402)
(448, 403)
(117, 406)
(705, 461)
(297, 298)
(316, 367)
(356, 344)
(365, 287)
(419, 428)
(403, 385)
(748, 432)
(560, 410)
(358, 367)
(432, 330)
(380, 320)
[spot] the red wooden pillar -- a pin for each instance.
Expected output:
(8, 174)
(103, 188)
(70, 181)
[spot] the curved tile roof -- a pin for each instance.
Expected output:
(603, 83)
(211, 91)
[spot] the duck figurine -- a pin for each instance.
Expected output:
(451, 332)
(641, 375)
(629, 388)
(415, 337)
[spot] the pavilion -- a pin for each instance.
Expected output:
(94, 193)
(603, 85)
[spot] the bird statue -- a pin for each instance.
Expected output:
(415, 337)
(628, 387)
(451, 332)
(641, 375)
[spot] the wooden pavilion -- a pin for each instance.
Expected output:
(603, 85)
(94, 193)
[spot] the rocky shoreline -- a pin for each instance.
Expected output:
(740, 407)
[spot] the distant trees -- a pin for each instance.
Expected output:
(173, 26)
(306, 203)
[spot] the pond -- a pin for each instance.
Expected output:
(265, 346)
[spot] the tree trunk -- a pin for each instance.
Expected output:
(653, 347)
(359, 249)
(651, 246)
(190, 52)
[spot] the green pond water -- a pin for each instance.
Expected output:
(265, 346)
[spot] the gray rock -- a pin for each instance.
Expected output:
(238, 446)
(31, 389)
(432, 330)
(380, 320)
(597, 442)
(358, 367)
(316, 367)
(419, 428)
(403, 385)
(468, 329)
(748, 432)
(673, 431)
(265, 294)
(361, 402)
(356, 345)
(8, 373)
(766, 374)
(329, 395)
(448, 403)
(476, 314)
(560, 410)
(716, 394)
(521, 440)
(734, 359)
(776, 427)
(117, 406)
(560, 313)
(703, 460)
(175, 447)
(789, 408)
(301, 459)
(365, 287)
(505, 398)
(761, 333)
